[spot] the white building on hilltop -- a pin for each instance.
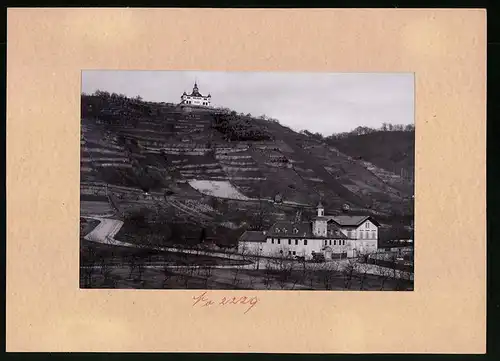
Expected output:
(332, 236)
(195, 98)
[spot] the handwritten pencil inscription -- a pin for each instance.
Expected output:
(205, 300)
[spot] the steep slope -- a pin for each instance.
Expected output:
(393, 151)
(150, 155)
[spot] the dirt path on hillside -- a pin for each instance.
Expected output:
(105, 231)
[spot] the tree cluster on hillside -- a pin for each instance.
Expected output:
(236, 127)
(386, 127)
(113, 108)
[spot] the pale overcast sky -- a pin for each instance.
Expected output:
(319, 102)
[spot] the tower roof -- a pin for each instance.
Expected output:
(195, 91)
(320, 205)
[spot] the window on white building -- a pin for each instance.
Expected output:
(296, 242)
(334, 242)
(289, 241)
(272, 240)
(367, 225)
(373, 235)
(289, 253)
(294, 253)
(279, 241)
(305, 242)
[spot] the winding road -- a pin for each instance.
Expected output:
(106, 230)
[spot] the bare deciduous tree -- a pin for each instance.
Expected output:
(282, 265)
(106, 270)
(88, 267)
(268, 274)
(384, 274)
(326, 273)
(362, 271)
(132, 263)
(206, 272)
(140, 267)
(166, 275)
(348, 271)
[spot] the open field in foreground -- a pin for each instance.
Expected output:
(104, 266)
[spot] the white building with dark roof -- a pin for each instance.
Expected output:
(196, 98)
(333, 236)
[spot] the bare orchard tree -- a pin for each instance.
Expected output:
(87, 271)
(132, 264)
(403, 279)
(362, 270)
(326, 273)
(140, 267)
(303, 266)
(190, 270)
(206, 272)
(244, 250)
(393, 263)
(384, 274)
(283, 267)
(310, 275)
(348, 271)
(88, 267)
(236, 277)
(167, 275)
(285, 276)
(106, 270)
(268, 273)
(254, 256)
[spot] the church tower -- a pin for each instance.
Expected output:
(320, 210)
(320, 224)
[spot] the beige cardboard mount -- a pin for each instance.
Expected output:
(48, 49)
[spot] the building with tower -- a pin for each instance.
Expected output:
(332, 236)
(196, 98)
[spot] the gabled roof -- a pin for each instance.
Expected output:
(291, 229)
(253, 236)
(334, 231)
(302, 230)
(353, 221)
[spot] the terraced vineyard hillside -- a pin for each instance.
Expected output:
(213, 167)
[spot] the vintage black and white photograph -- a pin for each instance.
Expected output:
(247, 180)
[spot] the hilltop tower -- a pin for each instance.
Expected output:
(196, 98)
